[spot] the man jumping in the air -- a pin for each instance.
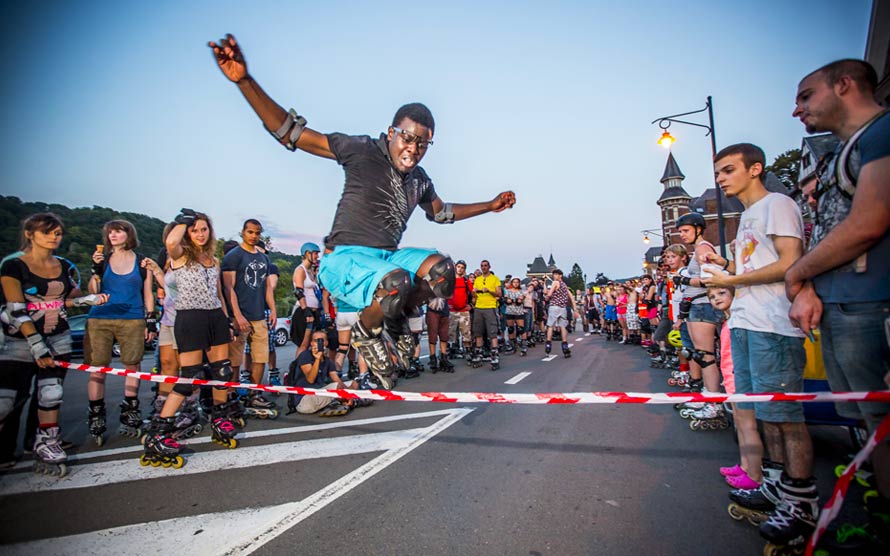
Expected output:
(363, 265)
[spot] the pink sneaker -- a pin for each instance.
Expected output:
(732, 471)
(742, 481)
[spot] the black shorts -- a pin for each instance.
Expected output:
(201, 329)
(645, 326)
(592, 315)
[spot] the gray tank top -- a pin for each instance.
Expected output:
(694, 269)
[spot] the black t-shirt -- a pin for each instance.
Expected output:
(377, 199)
(250, 281)
(45, 297)
(322, 379)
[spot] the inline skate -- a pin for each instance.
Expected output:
(566, 352)
(188, 420)
(131, 419)
(371, 346)
(548, 347)
(161, 447)
(222, 431)
(476, 360)
(49, 457)
(445, 365)
(790, 525)
(710, 417)
(96, 422)
(495, 362)
(523, 348)
(756, 504)
(258, 407)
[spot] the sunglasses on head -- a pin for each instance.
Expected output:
(412, 139)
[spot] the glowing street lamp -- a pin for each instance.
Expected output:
(665, 122)
(646, 235)
(666, 139)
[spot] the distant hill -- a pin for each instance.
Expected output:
(83, 231)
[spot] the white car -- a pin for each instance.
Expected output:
(281, 333)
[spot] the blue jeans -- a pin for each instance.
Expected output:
(856, 355)
(766, 362)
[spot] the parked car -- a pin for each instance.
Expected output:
(281, 332)
(78, 326)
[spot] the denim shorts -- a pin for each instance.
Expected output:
(704, 312)
(686, 338)
(856, 355)
(766, 362)
(351, 273)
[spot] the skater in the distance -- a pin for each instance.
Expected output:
(363, 264)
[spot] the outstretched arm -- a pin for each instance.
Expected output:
(445, 213)
(275, 118)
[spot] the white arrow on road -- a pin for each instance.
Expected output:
(214, 533)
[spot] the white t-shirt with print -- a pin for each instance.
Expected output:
(764, 307)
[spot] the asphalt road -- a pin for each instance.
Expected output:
(411, 478)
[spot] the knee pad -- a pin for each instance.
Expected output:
(701, 357)
(511, 330)
(441, 278)
(520, 330)
(222, 370)
(7, 403)
(343, 350)
(49, 393)
(189, 371)
(393, 292)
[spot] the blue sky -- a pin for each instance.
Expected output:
(120, 104)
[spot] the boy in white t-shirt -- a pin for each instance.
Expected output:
(767, 349)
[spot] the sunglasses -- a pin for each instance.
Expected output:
(411, 138)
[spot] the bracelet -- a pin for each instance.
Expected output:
(726, 265)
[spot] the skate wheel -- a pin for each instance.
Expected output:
(694, 425)
(155, 463)
(142, 439)
(274, 414)
(771, 550)
(143, 461)
(178, 462)
(734, 513)
(61, 470)
(99, 440)
(839, 470)
(232, 443)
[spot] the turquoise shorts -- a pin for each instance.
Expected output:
(351, 273)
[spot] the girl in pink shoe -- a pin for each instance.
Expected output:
(748, 474)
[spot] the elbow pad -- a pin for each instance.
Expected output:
(444, 216)
(290, 130)
(298, 293)
(14, 314)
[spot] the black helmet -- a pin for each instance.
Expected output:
(691, 219)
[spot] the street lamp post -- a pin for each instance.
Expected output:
(666, 139)
(646, 235)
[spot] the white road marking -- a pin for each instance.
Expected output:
(550, 357)
(254, 434)
(517, 378)
(579, 339)
(214, 533)
(587, 334)
(572, 345)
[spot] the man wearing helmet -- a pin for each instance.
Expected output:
(307, 311)
(363, 264)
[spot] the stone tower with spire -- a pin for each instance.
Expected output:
(674, 200)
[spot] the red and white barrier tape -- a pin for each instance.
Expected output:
(486, 397)
(833, 506)
(829, 512)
